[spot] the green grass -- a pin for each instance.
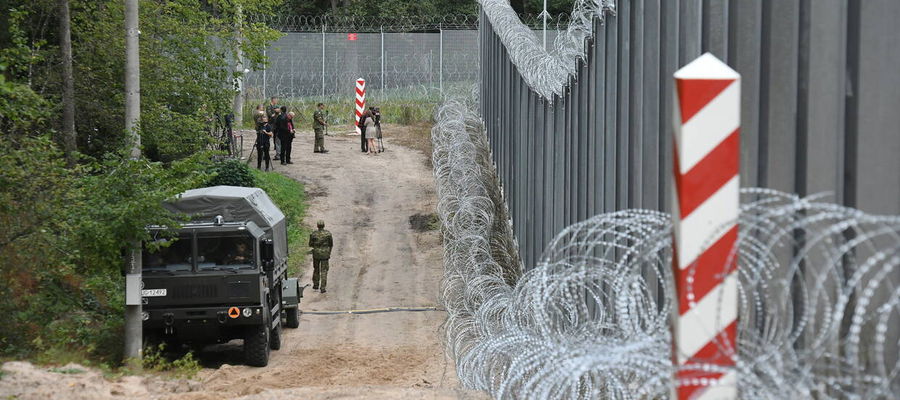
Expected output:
(290, 196)
(67, 371)
(398, 106)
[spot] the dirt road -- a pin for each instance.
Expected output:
(378, 261)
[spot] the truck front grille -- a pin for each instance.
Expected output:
(238, 289)
(194, 291)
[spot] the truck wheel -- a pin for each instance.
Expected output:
(293, 317)
(256, 346)
(275, 342)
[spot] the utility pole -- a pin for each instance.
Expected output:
(133, 313)
(238, 69)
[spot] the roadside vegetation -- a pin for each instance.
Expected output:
(68, 214)
(404, 109)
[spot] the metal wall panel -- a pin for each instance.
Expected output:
(622, 118)
(715, 28)
(820, 95)
(636, 106)
(878, 151)
(650, 178)
(780, 103)
(824, 116)
(746, 52)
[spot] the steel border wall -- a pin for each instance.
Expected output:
(820, 108)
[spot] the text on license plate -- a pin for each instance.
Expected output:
(153, 292)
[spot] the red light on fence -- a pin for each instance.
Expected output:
(351, 36)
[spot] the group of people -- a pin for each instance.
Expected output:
(277, 123)
(370, 131)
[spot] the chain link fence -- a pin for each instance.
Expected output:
(408, 62)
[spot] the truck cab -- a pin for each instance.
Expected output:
(222, 275)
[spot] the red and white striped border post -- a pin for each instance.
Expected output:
(360, 102)
(706, 205)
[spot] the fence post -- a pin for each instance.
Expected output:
(705, 211)
(382, 57)
(544, 15)
(441, 58)
(324, 24)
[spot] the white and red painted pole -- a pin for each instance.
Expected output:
(706, 206)
(360, 102)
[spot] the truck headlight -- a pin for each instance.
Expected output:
(145, 315)
(247, 312)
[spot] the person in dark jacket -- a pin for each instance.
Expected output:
(284, 135)
(263, 133)
(362, 133)
(272, 113)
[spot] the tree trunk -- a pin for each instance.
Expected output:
(68, 80)
(334, 6)
(238, 108)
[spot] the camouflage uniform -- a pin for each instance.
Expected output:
(320, 241)
(319, 128)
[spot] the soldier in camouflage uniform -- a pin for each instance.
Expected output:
(321, 243)
(319, 125)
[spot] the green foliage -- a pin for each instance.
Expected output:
(231, 173)
(185, 70)
(394, 8)
(20, 107)
(290, 196)
(554, 7)
(65, 230)
(185, 366)
(389, 8)
(64, 234)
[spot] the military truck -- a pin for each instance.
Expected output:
(221, 276)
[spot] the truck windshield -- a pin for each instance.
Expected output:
(217, 251)
(167, 255)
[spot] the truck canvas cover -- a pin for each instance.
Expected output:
(235, 204)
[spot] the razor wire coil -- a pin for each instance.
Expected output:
(819, 294)
(546, 71)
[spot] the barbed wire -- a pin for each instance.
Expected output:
(819, 297)
(415, 23)
(546, 71)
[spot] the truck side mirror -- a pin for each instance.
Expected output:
(267, 254)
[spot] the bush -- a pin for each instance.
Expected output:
(155, 359)
(62, 244)
(231, 173)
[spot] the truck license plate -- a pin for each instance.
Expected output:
(153, 292)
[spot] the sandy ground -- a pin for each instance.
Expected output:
(378, 261)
